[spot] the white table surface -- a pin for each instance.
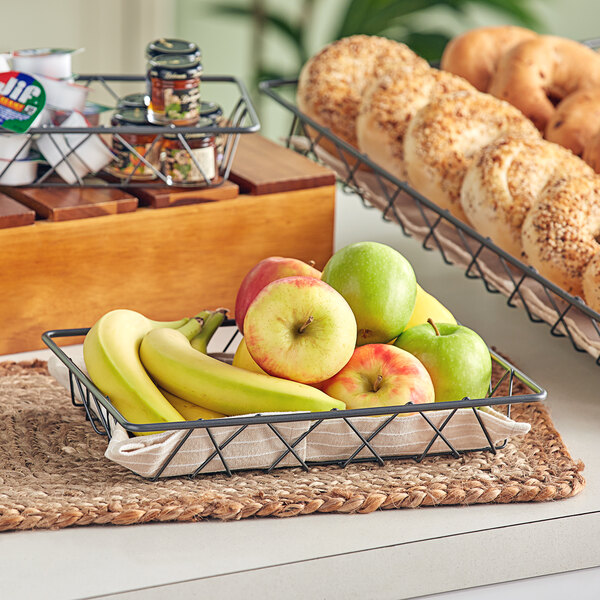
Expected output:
(529, 550)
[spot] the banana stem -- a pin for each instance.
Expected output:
(193, 327)
(212, 321)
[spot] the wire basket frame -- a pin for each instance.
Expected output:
(103, 416)
(241, 120)
(561, 307)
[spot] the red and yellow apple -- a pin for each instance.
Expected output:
(300, 328)
(267, 270)
(380, 375)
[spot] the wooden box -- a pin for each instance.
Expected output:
(164, 262)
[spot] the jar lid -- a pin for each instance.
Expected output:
(171, 46)
(210, 109)
(131, 116)
(175, 62)
(202, 122)
(135, 100)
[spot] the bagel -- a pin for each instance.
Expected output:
(536, 74)
(560, 232)
(505, 180)
(388, 105)
(591, 152)
(445, 135)
(591, 283)
(575, 120)
(474, 54)
(331, 83)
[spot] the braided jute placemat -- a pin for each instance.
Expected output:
(53, 473)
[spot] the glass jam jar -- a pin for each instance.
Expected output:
(126, 162)
(174, 90)
(213, 112)
(176, 162)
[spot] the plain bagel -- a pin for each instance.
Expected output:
(444, 137)
(575, 120)
(504, 182)
(388, 105)
(475, 54)
(560, 232)
(331, 83)
(537, 74)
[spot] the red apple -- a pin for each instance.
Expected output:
(266, 271)
(300, 328)
(378, 375)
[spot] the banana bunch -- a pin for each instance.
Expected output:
(158, 372)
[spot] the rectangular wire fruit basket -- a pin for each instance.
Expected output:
(437, 229)
(509, 386)
(241, 119)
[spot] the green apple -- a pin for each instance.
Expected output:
(380, 286)
(300, 328)
(456, 357)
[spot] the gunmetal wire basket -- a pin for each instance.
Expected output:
(459, 244)
(509, 386)
(241, 119)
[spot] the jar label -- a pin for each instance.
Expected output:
(178, 164)
(126, 162)
(174, 103)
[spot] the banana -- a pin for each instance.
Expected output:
(110, 351)
(191, 412)
(180, 369)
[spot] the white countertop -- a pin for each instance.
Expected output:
(388, 554)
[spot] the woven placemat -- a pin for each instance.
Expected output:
(53, 472)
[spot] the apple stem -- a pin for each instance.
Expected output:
(377, 383)
(430, 321)
(306, 324)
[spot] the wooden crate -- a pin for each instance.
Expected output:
(166, 263)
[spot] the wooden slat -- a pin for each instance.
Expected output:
(163, 197)
(13, 213)
(64, 204)
(261, 166)
(164, 263)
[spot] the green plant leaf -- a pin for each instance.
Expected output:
(517, 9)
(429, 45)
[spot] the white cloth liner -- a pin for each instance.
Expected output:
(581, 327)
(257, 446)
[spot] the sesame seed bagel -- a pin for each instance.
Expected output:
(445, 135)
(388, 105)
(504, 182)
(575, 120)
(560, 232)
(475, 54)
(591, 283)
(332, 82)
(536, 74)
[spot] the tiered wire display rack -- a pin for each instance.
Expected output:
(241, 119)
(104, 416)
(567, 315)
